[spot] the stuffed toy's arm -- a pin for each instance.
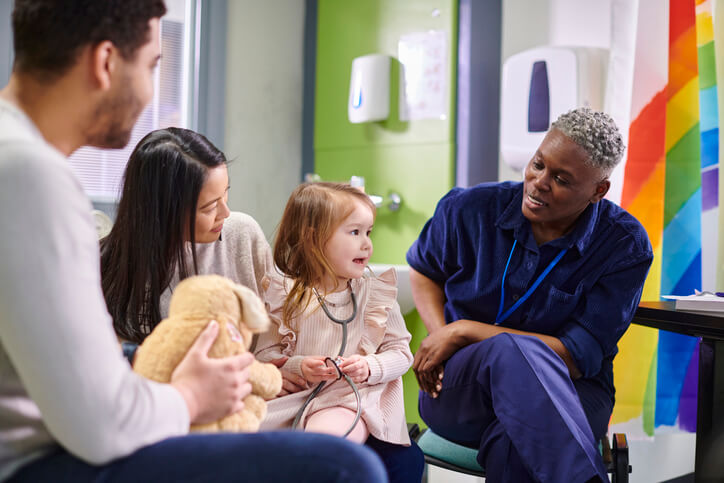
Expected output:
(265, 379)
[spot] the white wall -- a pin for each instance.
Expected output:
(532, 23)
(6, 41)
(263, 136)
(525, 25)
(584, 23)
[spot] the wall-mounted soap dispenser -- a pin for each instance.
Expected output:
(369, 89)
(539, 85)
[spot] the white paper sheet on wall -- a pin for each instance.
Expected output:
(423, 75)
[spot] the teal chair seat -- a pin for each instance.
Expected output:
(461, 459)
(446, 454)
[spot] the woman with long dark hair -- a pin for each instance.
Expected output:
(172, 222)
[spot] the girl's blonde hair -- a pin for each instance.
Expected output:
(313, 213)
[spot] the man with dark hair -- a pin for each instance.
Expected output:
(125, 24)
(71, 409)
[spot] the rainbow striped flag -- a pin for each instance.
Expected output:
(718, 32)
(709, 126)
(681, 272)
(643, 196)
(671, 185)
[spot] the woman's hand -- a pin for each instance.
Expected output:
(291, 382)
(356, 367)
(434, 350)
(315, 370)
(212, 388)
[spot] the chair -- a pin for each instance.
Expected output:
(461, 459)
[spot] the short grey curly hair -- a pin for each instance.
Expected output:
(596, 133)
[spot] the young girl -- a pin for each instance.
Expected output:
(322, 248)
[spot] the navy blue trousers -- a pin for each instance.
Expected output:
(274, 456)
(511, 397)
(404, 464)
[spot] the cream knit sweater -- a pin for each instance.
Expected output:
(242, 254)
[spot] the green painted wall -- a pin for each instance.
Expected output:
(416, 159)
(420, 174)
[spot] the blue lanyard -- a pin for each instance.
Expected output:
(499, 319)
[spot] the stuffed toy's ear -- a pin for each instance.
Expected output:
(253, 313)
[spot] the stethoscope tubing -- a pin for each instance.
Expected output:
(340, 374)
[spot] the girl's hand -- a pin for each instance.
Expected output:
(315, 370)
(290, 382)
(356, 367)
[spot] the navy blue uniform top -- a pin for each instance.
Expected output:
(587, 300)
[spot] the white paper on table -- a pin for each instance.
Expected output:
(704, 302)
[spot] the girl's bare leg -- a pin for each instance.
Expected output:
(337, 421)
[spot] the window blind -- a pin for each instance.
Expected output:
(101, 170)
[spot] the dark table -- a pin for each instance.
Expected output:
(710, 395)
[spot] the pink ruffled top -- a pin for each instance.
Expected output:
(378, 333)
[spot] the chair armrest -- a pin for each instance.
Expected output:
(413, 430)
(606, 451)
(621, 467)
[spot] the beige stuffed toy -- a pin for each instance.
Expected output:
(240, 313)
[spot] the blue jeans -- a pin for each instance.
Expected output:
(273, 456)
(511, 397)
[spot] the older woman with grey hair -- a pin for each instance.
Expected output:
(525, 289)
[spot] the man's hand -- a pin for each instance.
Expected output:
(212, 388)
(291, 382)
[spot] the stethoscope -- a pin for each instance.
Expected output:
(334, 361)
